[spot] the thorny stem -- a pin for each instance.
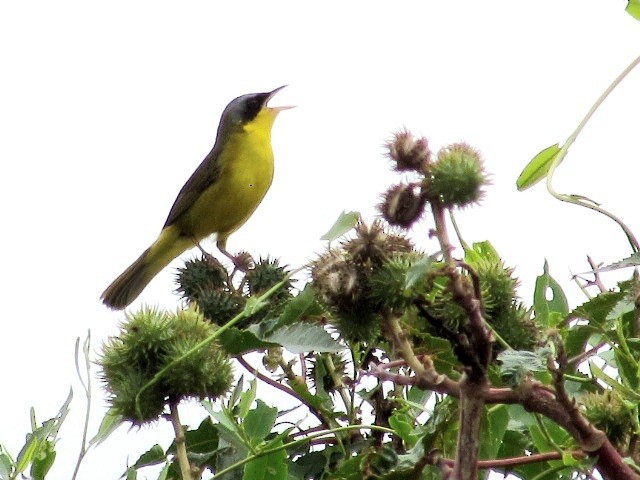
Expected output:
(589, 437)
(596, 276)
(474, 381)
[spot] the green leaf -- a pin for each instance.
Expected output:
(550, 438)
(516, 364)
(237, 342)
(599, 309)
(494, 427)
(204, 439)
(247, 398)
(627, 368)
(537, 168)
(633, 8)
(514, 444)
(576, 339)
(403, 426)
(304, 337)
(273, 466)
(7, 465)
(153, 456)
(27, 453)
(302, 305)
(348, 470)
(625, 391)
(309, 465)
(43, 461)
(254, 305)
(481, 252)
(202, 444)
(109, 424)
(631, 261)
(558, 303)
(418, 271)
(345, 222)
(259, 422)
(164, 473)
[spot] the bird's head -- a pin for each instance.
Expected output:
(248, 108)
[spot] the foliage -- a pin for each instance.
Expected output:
(401, 363)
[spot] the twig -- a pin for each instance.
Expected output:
(87, 391)
(596, 276)
(181, 447)
(283, 388)
(635, 246)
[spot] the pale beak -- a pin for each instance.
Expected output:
(270, 96)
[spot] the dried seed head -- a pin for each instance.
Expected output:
(402, 205)
(372, 244)
(408, 152)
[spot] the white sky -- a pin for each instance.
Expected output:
(107, 108)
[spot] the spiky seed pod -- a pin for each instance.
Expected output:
(220, 306)
(267, 273)
(408, 152)
(321, 367)
(507, 315)
(373, 245)
(516, 326)
(149, 341)
(457, 177)
(205, 373)
(402, 206)
(610, 413)
(358, 324)
(498, 287)
(388, 283)
(200, 275)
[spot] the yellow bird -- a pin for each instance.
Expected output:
(219, 197)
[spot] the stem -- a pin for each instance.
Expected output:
(339, 384)
(284, 389)
(292, 445)
(471, 413)
(181, 447)
(635, 246)
(87, 391)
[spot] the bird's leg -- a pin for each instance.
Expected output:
(205, 254)
(213, 260)
(238, 265)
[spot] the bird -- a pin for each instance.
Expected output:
(218, 198)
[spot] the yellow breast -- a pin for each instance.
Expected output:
(246, 172)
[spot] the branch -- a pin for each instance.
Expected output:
(181, 448)
(284, 389)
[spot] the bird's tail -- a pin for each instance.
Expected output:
(126, 288)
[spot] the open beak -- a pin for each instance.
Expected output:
(270, 96)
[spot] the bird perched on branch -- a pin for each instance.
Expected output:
(219, 198)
